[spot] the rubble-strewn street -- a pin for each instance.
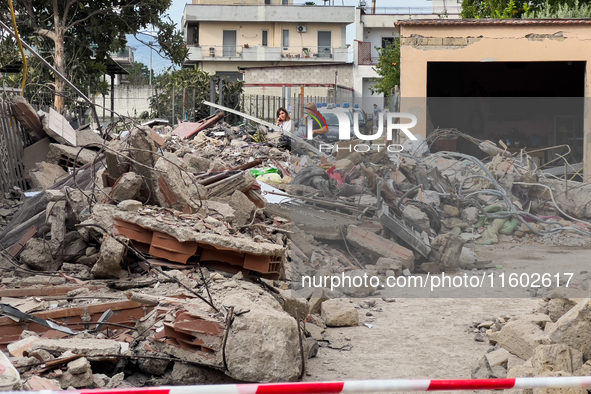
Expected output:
(209, 253)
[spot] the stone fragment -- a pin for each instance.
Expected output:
(574, 328)
(521, 371)
(198, 163)
(353, 283)
(190, 374)
(446, 250)
(314, 330)
(130, 205)
(67, 379)
(173, 185)
(558, 357)
(63, 153)
(294, 304)
(520, 338)
(384, 264)
(557, 307)
(339, 313)
(244, 208)
(109, 262)
(252, 351)
(498, 372)
(311, 347)
(79, 366)
(316, 300)
(100, 380)
(451, 211)
(470, 215)
(416, 218)
(55, 216)
(151, 366)
(431, 268)
(41, 355)
(481, 369)
(498, 357)
(38, 255)
(127, 187)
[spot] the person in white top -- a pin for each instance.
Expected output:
(283, 120)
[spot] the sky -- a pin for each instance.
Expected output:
(142, 51)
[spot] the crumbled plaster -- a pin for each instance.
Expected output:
(559, 36)
(430, 43)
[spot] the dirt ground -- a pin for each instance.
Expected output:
(432, 338)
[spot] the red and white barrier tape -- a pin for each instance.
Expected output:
(352, 387)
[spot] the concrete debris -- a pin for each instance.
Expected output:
(339, 313)
(207, 263)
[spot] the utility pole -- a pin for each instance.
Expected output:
(151, 63)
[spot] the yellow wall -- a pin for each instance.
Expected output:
(478, 43)
(210, 34)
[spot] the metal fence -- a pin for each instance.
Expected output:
(12, 169)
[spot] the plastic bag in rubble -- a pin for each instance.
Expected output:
(261, 171)
(270, 178)
(416, 148)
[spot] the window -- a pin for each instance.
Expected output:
(229, 39)
(267, 2)
(284, 2)
(285, 40)
(265, 38)
(324, 44)
(387, 41)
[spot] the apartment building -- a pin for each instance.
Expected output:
(225, 36)
(375, 28)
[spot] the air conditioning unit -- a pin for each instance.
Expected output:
(301, 29)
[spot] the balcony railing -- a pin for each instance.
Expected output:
(260, 53)
(451, 10)
(319, 53)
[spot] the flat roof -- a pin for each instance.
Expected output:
(486, 22)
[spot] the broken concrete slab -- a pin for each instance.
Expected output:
(28, 118)
(79, 366)
(196, 162)
(520, 338)
(378, 247)
(173, 185)
(45, 175)
(557, 307)
(55, 216)
(557, 357)
(339, 313)
(93, 349)
(574, 328)
(69, 156)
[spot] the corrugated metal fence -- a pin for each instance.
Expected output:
(12, 167)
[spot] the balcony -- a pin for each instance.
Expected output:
(124, 58)
(267, 54)
(268, 13)
(316, 54)
(364, 54)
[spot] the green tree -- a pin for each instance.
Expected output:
(66, 30)
(503, 9)
(185, 84)
(139, 74)
(388, 68)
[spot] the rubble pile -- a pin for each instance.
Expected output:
(553, 341)
(178, 258)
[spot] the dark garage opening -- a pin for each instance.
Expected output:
(527, 105)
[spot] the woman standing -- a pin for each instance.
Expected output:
(283, 120)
